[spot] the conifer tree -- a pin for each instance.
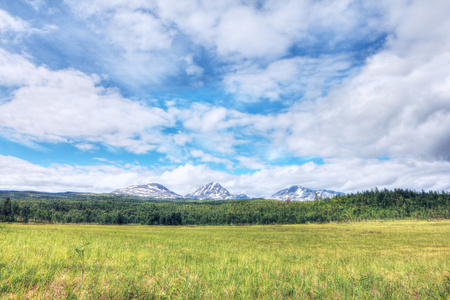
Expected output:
(7, 209)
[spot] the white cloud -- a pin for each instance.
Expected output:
(23, 175)
(206, 157)
(267, 29)
(9, 23)
(307, 78)
(65, 105)
(141, 44)
(352, 175)
(211, 120)
(249, 33)
(86, 147)
(138, 31)
(187, 178)
(198, 19)
(251, 163)
(345, 175)
(159, 38)
(181, 138)
(206, 118)
(234, 30)
(398, 105)
(191, 68)
(96, 7)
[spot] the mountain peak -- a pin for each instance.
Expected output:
(213, 184)
(214, 191)
(300, 193)
(150, 190)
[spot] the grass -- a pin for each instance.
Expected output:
(373, 260)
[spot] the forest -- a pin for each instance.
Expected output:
(375, 204)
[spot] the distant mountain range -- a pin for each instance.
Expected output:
(214, 191)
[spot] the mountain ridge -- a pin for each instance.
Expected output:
(150, 190)
(213, 191)
(300, 193)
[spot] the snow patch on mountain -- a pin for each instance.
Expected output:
(151, 190)
(214, 191)
(300, 193)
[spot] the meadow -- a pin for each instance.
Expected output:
(363, 260)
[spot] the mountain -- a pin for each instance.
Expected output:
(214, 191)
(151, 190)
(299, 193)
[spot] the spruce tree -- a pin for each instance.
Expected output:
(7, 209)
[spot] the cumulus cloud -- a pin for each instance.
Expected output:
(395, 105)
(393, 101)
(36, 4)
(352, 175)
(251, 163)
(267, 29)
(159, 35)
(142, 44)
(398, 105)
(182, 138)
(300, 77)
(205, 119)
(187, 178)
(206, 157)
(86, 147)
(214, 129)
(248, 33)
(345, 175)
(138, 31)
(66, 105)
(23, 175)
(127, 24)
(9, 23)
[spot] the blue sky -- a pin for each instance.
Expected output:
(257, 95)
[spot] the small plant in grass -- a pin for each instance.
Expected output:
(447, 282)
(81, 258)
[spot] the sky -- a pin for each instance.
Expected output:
(256, 95)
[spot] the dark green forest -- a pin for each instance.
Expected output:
(112, 209)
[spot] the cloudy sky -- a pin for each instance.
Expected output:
(257, 95)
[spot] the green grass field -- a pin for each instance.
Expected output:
(373, 260)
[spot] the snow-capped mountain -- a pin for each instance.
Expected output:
(151, 190)
(300, 193)
(214, 191)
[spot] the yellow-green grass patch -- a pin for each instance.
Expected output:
(376, 260)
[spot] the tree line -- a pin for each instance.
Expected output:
(106, 209)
